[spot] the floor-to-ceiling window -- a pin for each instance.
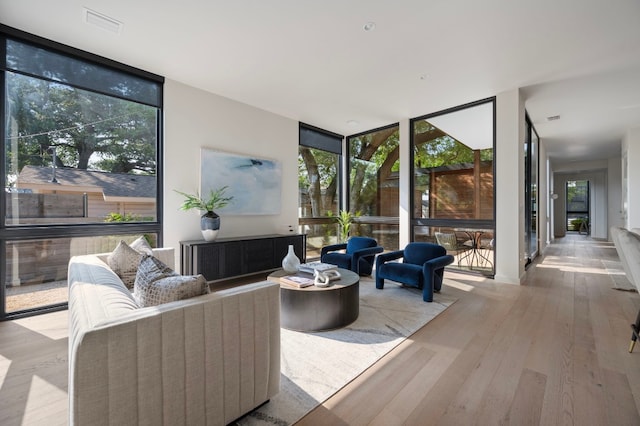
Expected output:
(81, 164)
(319, 185)
(452, 155)
(373, 160)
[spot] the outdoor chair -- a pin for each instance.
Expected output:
(487, 245)
(422, 266)
(358, 256)
(450, 242)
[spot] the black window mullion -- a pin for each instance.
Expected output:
(324, 140)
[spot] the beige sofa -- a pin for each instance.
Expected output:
(627, 245)
(205, 360)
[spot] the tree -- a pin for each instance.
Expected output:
(86, 129)
(318, 169)
(368, 153)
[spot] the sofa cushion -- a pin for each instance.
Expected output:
(124, 262)
(405, 273)
(156, 283)
(141, 246)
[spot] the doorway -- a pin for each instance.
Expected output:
(577, 210)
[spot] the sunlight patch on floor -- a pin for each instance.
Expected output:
(458, 285)
(571, 268)
(52, 326)
(5, 364)
(36, 404)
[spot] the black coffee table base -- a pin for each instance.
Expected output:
(321, 309)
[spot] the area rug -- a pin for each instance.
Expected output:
(618, 277)
(316, 365)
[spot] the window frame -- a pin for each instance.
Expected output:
(24, 232)
(379, 221)
(323, 140)
(415, 222)
(479, 223)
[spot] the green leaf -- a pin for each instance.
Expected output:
(215, 200)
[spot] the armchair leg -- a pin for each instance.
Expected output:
(379, 283)
(427, 293)
(635, 331)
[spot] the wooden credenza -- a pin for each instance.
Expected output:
(232, 257)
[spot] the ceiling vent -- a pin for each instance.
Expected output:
(553, 118)
(102, 21)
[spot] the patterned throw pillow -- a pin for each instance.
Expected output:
(124, 262)
(156, 283)
(142, 246)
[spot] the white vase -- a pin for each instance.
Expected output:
(290, 262)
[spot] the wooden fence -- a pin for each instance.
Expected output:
(44, 260)
(29, 206)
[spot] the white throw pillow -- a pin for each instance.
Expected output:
(156, 283)
(142, 246)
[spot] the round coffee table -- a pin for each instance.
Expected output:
(319, 308)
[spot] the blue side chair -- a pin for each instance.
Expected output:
(422, 266)
(359, 254)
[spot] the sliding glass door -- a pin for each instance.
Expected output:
(531, 191)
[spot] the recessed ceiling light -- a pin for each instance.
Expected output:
(424, 76)
(102, 21)
(369, 26)
(553, 118)
(352, 123)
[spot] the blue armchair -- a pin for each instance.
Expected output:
(358, 256)
(422, 267)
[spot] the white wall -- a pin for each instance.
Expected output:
(614, 190)
(543, 197)
(552, 203)
(193, 119)
(510, 131)
(404, 213)
(631, 146)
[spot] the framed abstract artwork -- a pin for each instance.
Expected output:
(253, 182)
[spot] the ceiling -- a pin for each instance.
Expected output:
(314, 62)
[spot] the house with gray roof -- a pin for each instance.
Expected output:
(103, 192)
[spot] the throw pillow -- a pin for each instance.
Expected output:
(141, 245)
(156, 283)
(124, 262)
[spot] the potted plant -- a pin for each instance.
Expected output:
(345, 219)
(209, 221)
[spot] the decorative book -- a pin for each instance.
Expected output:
(310, 267)
(297, 281)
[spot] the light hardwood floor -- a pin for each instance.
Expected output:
(550, 352)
